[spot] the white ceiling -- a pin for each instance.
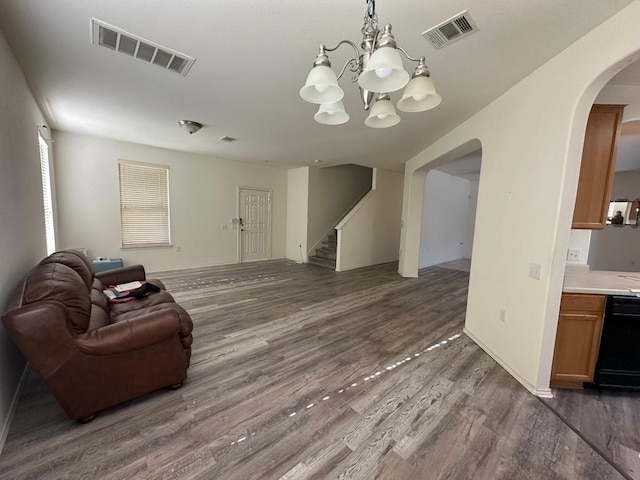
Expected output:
(253, 56)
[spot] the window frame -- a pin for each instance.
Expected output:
(135, 236)
(46, 178)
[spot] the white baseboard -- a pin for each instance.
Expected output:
(12, 409)
(538, 392)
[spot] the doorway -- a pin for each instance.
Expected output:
(254, 224)
(449, 211)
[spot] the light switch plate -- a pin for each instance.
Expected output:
(535, 270)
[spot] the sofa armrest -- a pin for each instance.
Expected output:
(122, 275)
(130, 335)
(42, 332)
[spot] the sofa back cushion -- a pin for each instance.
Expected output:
(58, 282)
(75, 260)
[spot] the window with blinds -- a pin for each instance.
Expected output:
(144, 204)
(47, 198)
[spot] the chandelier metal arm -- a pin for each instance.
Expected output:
(404, 52)
(342, 42)
(353, 65)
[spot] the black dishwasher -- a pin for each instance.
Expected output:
(618, 363)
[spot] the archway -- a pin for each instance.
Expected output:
(449, 211)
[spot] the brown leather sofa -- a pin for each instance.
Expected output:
(93, 354)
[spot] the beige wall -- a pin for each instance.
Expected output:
(370, 233)
(531, 141)
(297, 213)
(22, 240)
(333, 191)
(471, 219)
(203, 198)
(447, 213)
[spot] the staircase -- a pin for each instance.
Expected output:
(326, 255)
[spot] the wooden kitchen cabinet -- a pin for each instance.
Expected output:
(597, 167)
(577, 339)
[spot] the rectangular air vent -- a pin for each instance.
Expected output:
(457, 27)
(121, 41)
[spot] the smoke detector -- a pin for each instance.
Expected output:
(228, 139)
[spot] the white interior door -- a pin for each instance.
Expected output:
(254, 224)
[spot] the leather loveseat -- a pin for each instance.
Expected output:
(93, 354)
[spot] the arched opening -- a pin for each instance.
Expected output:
(461, 160)
(449, 213)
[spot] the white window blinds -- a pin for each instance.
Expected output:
(144, 204)
(47, 198)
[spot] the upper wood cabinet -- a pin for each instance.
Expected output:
(596, 170)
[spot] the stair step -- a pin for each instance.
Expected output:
(327, 253)
(322, 262)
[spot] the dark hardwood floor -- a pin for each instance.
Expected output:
(299, 372)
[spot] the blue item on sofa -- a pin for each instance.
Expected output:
(104, 265)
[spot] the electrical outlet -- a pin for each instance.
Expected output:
(535, 270)
(573, 254)
(503, 315)
(178, 248)
(223, 226)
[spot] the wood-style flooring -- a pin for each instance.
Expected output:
(608, 420)
(299, 372)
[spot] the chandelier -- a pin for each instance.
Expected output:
(378, 70)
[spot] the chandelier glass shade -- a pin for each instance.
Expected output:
(331, 114)
(378, 69)
(384, 71)
(419, 96)
(382, 114)
(321, 86)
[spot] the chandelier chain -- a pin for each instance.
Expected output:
(371, 8)
(370, 18)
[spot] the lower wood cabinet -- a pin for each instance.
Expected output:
(577, 339)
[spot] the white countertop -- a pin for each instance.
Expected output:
(601, 282)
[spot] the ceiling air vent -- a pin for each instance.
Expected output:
(120, 41)
(228, 139)
(455, 28)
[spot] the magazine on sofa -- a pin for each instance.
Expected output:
(129, 291)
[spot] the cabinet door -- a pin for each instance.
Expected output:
(596, 169)
(576, 351)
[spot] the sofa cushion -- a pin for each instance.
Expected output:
(97, 284)
(98, 299)
(99, 318)
(75, 260)
(58, 282)
(157, 298)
